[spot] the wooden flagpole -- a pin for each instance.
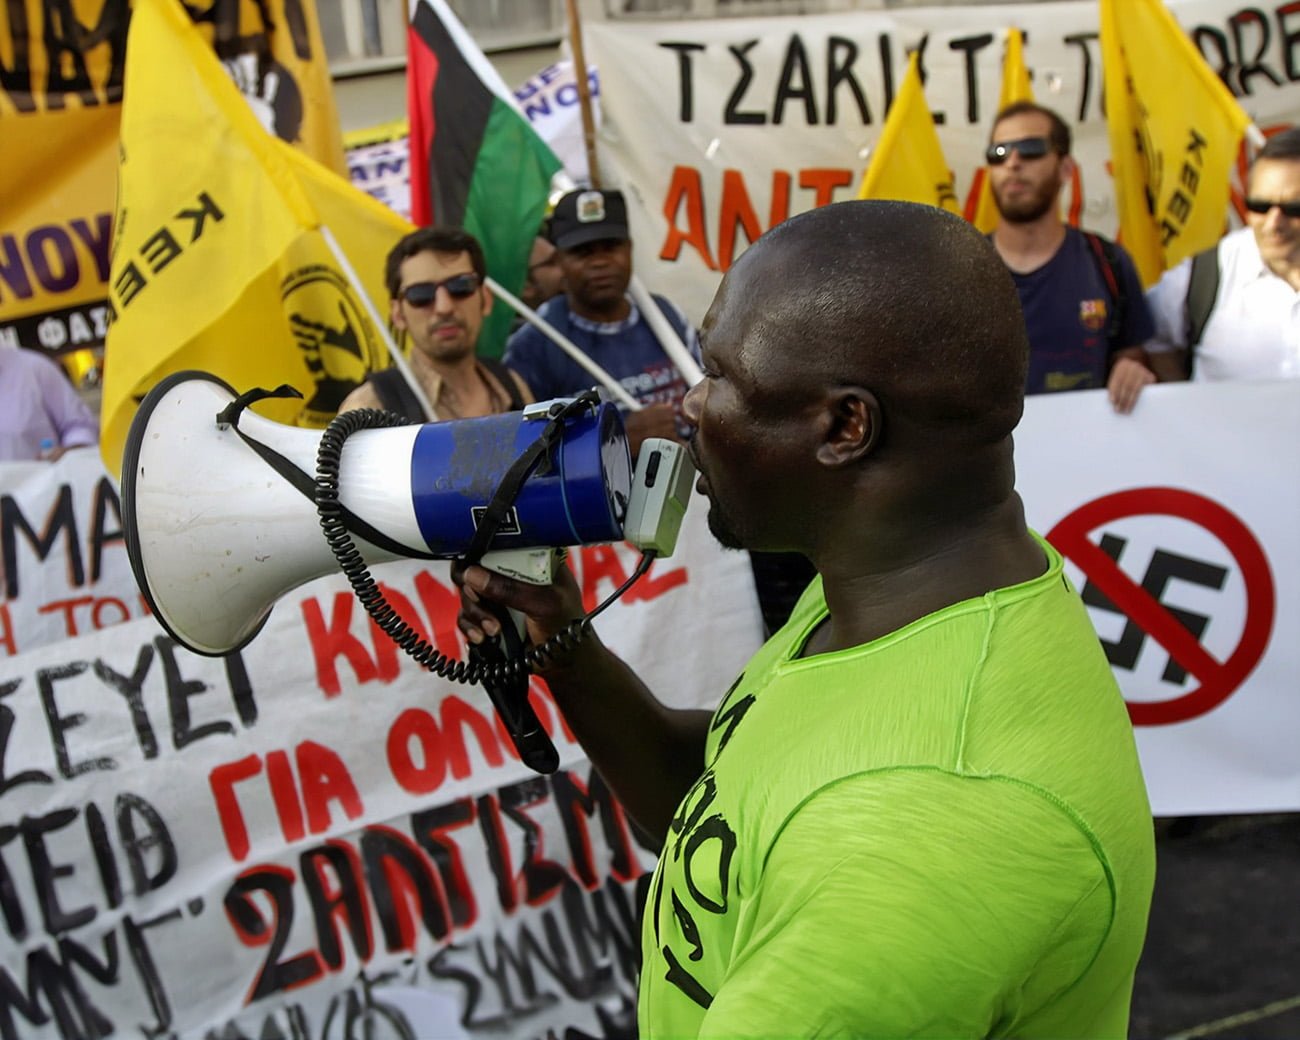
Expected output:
(584, 93)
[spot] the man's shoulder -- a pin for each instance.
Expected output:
(362, 397)
(668, 305)
(1098, 246)
(31, 360)
(554, 311)
(673, 313)
(1238, 245)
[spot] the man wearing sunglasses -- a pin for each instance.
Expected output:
(1234, 311)
(438, 298)
(1080, 294)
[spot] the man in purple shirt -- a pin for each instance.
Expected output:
(41, 415)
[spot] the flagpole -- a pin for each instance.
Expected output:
(584, 93)
(565, 344)
(380, 325)
(665, 333)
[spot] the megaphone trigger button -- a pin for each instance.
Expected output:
(652, 467)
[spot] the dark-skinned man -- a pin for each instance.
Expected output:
(590, 232)
(919, 810)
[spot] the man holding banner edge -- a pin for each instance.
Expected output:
(919, 809)
(1233, 307)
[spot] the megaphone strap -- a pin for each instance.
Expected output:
(303, 482)
(502, 674)
(512, 482)
(229, 416)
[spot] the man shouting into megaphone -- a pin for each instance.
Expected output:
(919, 809)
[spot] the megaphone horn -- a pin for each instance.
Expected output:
(220, 517)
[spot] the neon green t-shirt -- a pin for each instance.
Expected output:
(942, 833)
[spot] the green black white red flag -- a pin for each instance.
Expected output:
(476, 162)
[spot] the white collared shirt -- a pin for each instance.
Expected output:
(1254, 329)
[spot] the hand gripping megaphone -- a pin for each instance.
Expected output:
(225, 511)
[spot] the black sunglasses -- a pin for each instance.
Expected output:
(1028, 147)
(1290, 210)
(422, 294)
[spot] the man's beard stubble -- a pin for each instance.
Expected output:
(1029, 209)
(722, 529)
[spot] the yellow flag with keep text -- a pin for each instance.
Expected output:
(219, 263)
(61, 84)
(1174, 134)
(907, 163)
(1015, 87)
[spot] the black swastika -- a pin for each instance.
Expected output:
(1164, 567)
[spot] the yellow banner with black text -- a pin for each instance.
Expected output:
(62, 64)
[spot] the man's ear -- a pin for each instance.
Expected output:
(1067, 169)
(487, 300)
(395, 314)
(853, 426)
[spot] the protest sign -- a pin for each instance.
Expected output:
(721, 128)
(1180, 535)
(379, 163)
(312, 837)
(61, 81)
(550, 100)
(314, 832)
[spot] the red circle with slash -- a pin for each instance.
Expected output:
(1218, 680)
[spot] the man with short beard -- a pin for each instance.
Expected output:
(1083, 303)
(438, 296)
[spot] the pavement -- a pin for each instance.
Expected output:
(1222, 957)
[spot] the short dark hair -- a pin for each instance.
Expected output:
(1058, 135)
(1285, 145)
(432, 240)
(858, 278)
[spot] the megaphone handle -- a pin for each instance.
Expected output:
(509, 696)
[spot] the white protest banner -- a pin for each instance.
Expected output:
(314, 838)
(62, 555)
(718, 129)
(1178, 524)
(550, 101)
(379, 163)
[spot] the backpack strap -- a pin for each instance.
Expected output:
(507, 379)
(1202, 291)
(1107, 257)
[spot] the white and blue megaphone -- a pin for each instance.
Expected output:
(225, 511)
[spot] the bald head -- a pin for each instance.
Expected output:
(906, 300)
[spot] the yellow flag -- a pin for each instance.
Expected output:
(1015, 87)
(61, 80)
(301, 52)
(908, 163)
(218, 263)
(1174, 134)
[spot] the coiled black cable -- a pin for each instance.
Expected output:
(331, 513)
